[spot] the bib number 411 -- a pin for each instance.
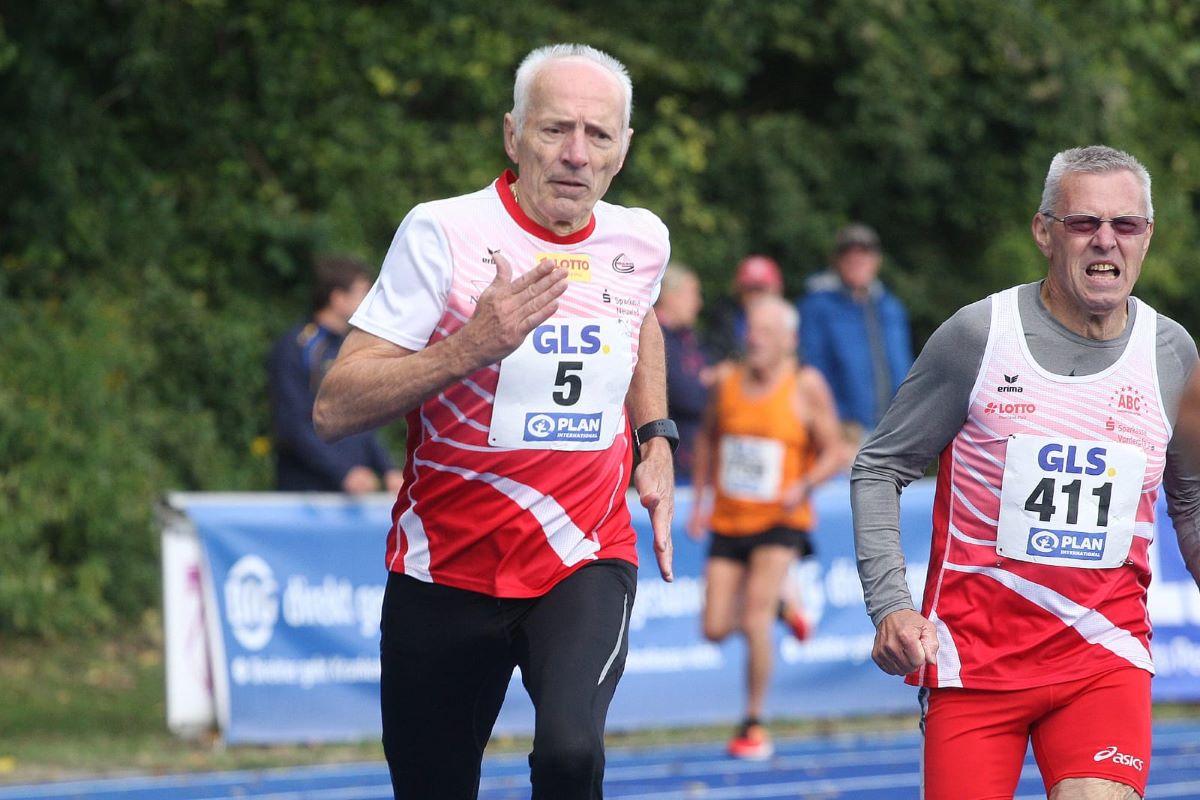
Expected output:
(1041, 500)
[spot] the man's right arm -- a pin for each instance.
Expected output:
(928, 411)
(375, 381)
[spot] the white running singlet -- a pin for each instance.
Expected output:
(1068, 469)
(516, 476)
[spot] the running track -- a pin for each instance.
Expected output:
(847, 767)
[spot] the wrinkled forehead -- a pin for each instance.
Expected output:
(1106, 194)
(574, 84)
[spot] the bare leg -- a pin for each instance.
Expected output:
(1092, 789)
(722, 590)
(768, 565)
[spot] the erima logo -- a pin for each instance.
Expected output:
(1119, 758)
(1010, 380)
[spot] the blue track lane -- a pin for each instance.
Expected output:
(847, 767)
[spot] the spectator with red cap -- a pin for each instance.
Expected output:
(756, 275)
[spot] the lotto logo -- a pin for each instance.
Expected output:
(1009, 409)
(1119, 758)
(577, 265)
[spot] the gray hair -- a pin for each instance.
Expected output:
(1094, 159)
(533, 62)
(787, 311)
(674, 276)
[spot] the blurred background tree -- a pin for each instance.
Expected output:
(169, 168)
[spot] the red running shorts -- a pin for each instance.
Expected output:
(1095, 727)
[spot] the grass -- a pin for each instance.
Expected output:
(97, 706)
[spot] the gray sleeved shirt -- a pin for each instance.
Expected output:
(931, 406)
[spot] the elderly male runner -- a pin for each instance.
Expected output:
(510, 327)
(1051, 405)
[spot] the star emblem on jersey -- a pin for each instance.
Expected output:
(1127, 399)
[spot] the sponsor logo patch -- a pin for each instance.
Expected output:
(1010, 384)
(622, 264)
(1066, 544)
(577, 265)
(1118, 757)
(1009, 409)
(1128, 400)
(553, 426)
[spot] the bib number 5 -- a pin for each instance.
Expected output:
(564, 387)
(568, 383)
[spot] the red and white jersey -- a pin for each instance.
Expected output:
(516, 475)
(1043, 517)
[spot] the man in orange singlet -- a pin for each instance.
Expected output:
(770, 434)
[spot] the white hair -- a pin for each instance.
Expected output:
(533, 62)
(1094, 159)
(788, 313)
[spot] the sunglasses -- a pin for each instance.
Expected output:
(1087, 224)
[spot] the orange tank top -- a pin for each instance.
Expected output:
(761, 447)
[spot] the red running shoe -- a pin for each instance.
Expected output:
(798, 624)
(751, 743)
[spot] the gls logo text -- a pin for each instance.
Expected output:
(1053, 458)
(1119, 758)
(559, 339)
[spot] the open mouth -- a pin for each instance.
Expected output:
(1103, 270)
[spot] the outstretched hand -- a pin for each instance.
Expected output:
(509, 309)
(654, 479)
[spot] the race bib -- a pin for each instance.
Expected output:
(751, 468)
(564, 388)
(1069, 502)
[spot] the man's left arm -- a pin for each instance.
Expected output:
(1182, 486)
(1177, 368)
(654, 477)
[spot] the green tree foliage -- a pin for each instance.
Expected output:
(170, 166)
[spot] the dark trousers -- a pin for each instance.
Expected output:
(447, 656)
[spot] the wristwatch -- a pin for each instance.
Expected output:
(665, 428)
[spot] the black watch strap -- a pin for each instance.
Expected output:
(665, 428)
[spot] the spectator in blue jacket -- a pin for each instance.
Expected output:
(855, 331)
(297, 364)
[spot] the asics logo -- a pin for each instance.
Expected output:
(1119, 758)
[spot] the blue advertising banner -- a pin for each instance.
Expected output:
(295, 589)
(294, 585)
